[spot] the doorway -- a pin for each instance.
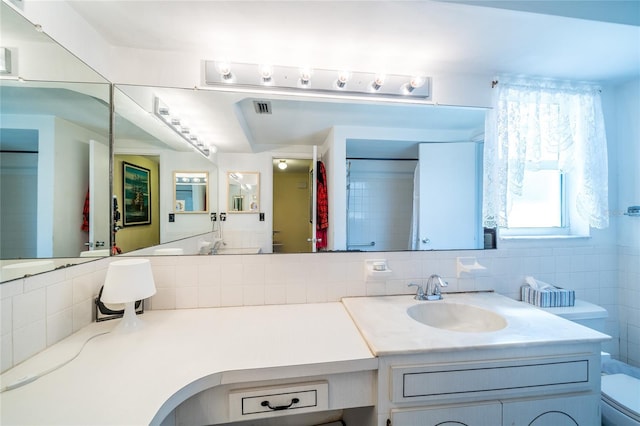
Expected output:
(292, 192)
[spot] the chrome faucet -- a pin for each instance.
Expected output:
(434, 284)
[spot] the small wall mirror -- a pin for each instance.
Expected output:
(243, 189)
(191, 191)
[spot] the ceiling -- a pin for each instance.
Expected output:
(580, 40)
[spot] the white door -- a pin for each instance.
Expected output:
(449, 201)
(314, 200)
(99, 208)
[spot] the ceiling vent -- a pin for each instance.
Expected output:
(262, 107)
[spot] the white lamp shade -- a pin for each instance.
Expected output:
(128, 281)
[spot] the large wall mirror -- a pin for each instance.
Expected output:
(54, 138)
(374, 145)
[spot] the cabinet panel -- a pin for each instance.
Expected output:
(582, 410)
(486, 414)
(439, 382)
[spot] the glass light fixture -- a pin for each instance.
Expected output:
(282, 164)
(305, 77)
(266, 73)
(377, 82)
(224, 68)
(343, 77)
(414, 84)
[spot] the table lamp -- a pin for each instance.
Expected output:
(128, 281)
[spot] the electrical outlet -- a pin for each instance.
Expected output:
(261, 217)
(172, 217)
(223, 217)
(213, 217)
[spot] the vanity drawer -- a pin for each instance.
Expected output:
(278, 400)
(445, 382)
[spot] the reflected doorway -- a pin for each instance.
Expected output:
(292, 192)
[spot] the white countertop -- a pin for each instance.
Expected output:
(389, 330)
(139, 378)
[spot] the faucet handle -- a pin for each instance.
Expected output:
(419, 291)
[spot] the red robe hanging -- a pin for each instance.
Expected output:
(322, 207)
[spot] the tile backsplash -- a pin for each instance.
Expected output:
(39, 311)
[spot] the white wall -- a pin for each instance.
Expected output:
(71, 177)
(244, 229)
(627, 128)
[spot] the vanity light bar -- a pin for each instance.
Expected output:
(297, 79)
(162, 111)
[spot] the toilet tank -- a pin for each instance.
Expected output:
(583, 313)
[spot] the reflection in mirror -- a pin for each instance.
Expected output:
(142, 139)
(243, 189)
(248, 139)
(54, 154)
(190, 193)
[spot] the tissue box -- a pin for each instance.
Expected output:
(551, 298)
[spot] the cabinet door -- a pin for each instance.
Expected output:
(487, 414)
(582, 410)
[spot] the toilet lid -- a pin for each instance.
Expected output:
(622, 392)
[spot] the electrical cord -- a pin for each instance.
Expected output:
(32, 378)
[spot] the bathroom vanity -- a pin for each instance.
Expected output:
(484, 360)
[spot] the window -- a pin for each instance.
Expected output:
(545, 159)
(542, 202)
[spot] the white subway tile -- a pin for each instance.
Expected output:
(209, 296)
(186, 297)
(82, 314)
(59, 325)
(29, 340)
(253, 295)
(6, 351)
(275, 294)
(165, 298)
(29, 308)
(296, 293)
(59, 297)
(6, 316)
(231, 295)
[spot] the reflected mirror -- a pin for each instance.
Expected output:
(191, 191)
(243, 192)
(54, 154)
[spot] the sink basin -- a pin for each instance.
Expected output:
(456, 317)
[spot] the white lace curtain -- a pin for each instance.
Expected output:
(533, 119)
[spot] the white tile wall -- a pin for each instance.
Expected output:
(39, 311)
(629, 306)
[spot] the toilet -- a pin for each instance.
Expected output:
(620, 403)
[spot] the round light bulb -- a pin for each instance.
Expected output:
(378, 82)
(417, 82)
(282, 164)
(266, 72)
(305, 76)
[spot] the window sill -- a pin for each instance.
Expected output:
(542, 237)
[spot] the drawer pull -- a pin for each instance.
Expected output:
(280, 407)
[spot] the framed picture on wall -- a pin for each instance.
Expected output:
(137, 195)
